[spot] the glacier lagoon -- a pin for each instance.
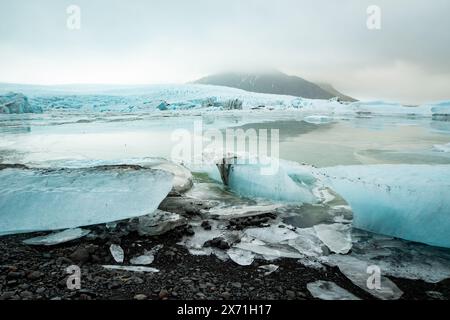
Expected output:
(406, 144)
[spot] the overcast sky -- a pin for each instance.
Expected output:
(171, 41)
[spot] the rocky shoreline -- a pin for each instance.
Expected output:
(39, 273)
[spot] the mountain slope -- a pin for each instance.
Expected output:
(329, 88)
(271, 82)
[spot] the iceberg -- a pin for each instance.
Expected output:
(441, 111)
(327, 290)
(406, 201)
(55, 199)
(285, 182)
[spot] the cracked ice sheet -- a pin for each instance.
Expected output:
(337, 236)
(272, 234)
(357, 271)
(40, 200)
(327, 290)
(400, 258)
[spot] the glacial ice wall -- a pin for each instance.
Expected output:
(156, 98)
(16, 103)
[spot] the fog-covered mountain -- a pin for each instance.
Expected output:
(272, 82)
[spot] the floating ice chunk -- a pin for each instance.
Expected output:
(441, 111)
(271, 234)
(269, 268)
(335, 236)
(117, 253)
(442, 147)
(406, 201)
(327, 290)
(57, 237)
(266, 178)
(357, 271)
(131, 268)
(241, 257)
(292, 184)
(318, 119)
(38, 200)
(159, 222)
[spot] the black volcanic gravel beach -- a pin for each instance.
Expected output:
(39, 272)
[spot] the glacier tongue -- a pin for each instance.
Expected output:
(42, 199)
(406, 201)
